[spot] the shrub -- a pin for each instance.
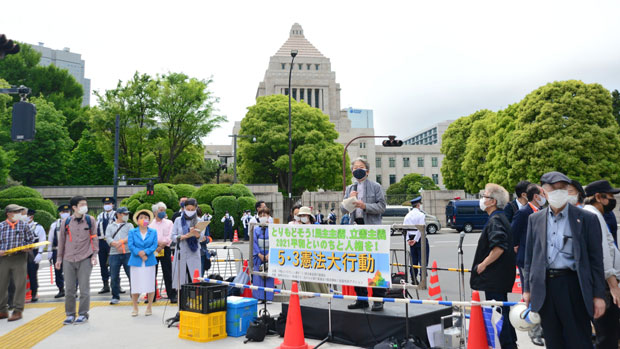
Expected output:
(208, 192)
(20, 192)
(246, 203)
(220, 206)
(205, 208)
(143, 206)
(132, 205)
(184, 190)
(32, 203)
(170, 213)
(163, 194)
(45, 219)
(240, 190)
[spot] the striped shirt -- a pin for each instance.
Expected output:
(15, 235)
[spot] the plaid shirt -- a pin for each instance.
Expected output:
(15, 236)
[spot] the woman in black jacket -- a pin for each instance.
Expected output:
(493, 270)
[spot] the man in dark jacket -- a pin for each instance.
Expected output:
(493, 270)
(515, 205)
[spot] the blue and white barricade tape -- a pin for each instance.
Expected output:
(359, 298)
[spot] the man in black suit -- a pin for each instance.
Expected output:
(536, 200)
(515, 205)
(564, 280)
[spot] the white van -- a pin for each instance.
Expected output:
(396, 215)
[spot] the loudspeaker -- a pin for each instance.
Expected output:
(24, 114)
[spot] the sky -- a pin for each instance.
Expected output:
(414, 63)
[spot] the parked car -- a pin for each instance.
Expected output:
(396, 215)
(465, 215)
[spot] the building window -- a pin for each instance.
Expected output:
(300, 66)
(301, 94)
(392, 162)
(295, 94)
(435, 178)
(362, 145)
(310, 97)
(420, 159)
(378, 162)
(283, 66)
(316, 66)
(308, 66)
(392, 179)
(286, 91)
(434, 161)
(405, 162)
(316, 98)
(379, 179)
(364, 157)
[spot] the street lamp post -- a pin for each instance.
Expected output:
(391, 143)
(221, 166)
(290, 132)
(235, 151)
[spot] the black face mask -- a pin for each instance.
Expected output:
(359, 173)
(610, 206)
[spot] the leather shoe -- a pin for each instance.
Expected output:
(358, 305)
(104, 289)
(173, 300)
(15, 316)
(377, 306)
(4, 315)
(538, 341)
(60, 294)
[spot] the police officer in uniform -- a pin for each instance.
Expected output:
(52, 249)
(103, 219)
(35, 259)
(416, 217)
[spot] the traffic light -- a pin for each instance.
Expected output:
(150, 188)
(392, 142)
(7, 47)
(24, 114)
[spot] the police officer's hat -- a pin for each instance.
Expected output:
(108, 200)
(416, 200)
(64, 207)
(31, 212)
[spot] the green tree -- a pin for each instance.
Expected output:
(317, 158)
(185, 110)
(615, 105)
(87, 165)
(566, 126)
(44, 160)
(475, 166)
(454, 143)
(408, 188)
(499, 145)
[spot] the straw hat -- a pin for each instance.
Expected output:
(304, 210)
(135, 216)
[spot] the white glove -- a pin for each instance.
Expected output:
(37, 258)
(49, 255)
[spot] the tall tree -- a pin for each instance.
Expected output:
(454, 142)
(475, 166)
(566, 126)
(615, 105)
(317, 158)
(44, 160)
(184, 109)
(499, 145)
(408, 188)
(87, 165)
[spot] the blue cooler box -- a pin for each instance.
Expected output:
(240, 312)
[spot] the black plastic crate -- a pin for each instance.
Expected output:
(203, 297)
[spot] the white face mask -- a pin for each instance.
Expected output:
(558, 198)
(304, 219)
(264, 220)
(296, 218)
(572, 199)
(125, 218)
(107, 207)
(64, 215)
(17, 217)
(541, 201)
(83, 210)
(227, 215)
(482, 205)
(190, 213)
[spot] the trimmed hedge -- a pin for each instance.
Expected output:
(170, 213)
(240, 190)
(184, 190)
(205, 208)
(246, 203)
(45, 219)
(163, 194)
(132, 205)
(220, 206)
(32, 203)
(208, 192)
(143, 206)
(20, 192)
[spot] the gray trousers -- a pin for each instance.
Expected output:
(79, 271)
(15, 265)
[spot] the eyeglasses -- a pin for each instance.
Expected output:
(487, 197)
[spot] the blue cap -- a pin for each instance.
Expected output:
(416, 200)
(122, 210)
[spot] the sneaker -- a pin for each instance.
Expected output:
(114, 301)
(69, 320)
(81, 319)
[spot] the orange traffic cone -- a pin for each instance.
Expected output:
(516, 288)
(477, 338)
(29, 292)
(434, 291)
(196, 276)
(247, 292)
(294, 333)
(157, 295)
(235, 237)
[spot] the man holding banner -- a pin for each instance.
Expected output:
(369, 205)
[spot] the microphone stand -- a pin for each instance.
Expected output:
(176, 318)
(462, 286)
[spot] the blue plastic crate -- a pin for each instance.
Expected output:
(239, 313)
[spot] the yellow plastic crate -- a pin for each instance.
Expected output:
(202, 327)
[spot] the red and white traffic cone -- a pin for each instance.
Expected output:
(516, 288)
(434, 291)
(235, 237)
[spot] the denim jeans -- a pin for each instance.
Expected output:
(116, 260)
